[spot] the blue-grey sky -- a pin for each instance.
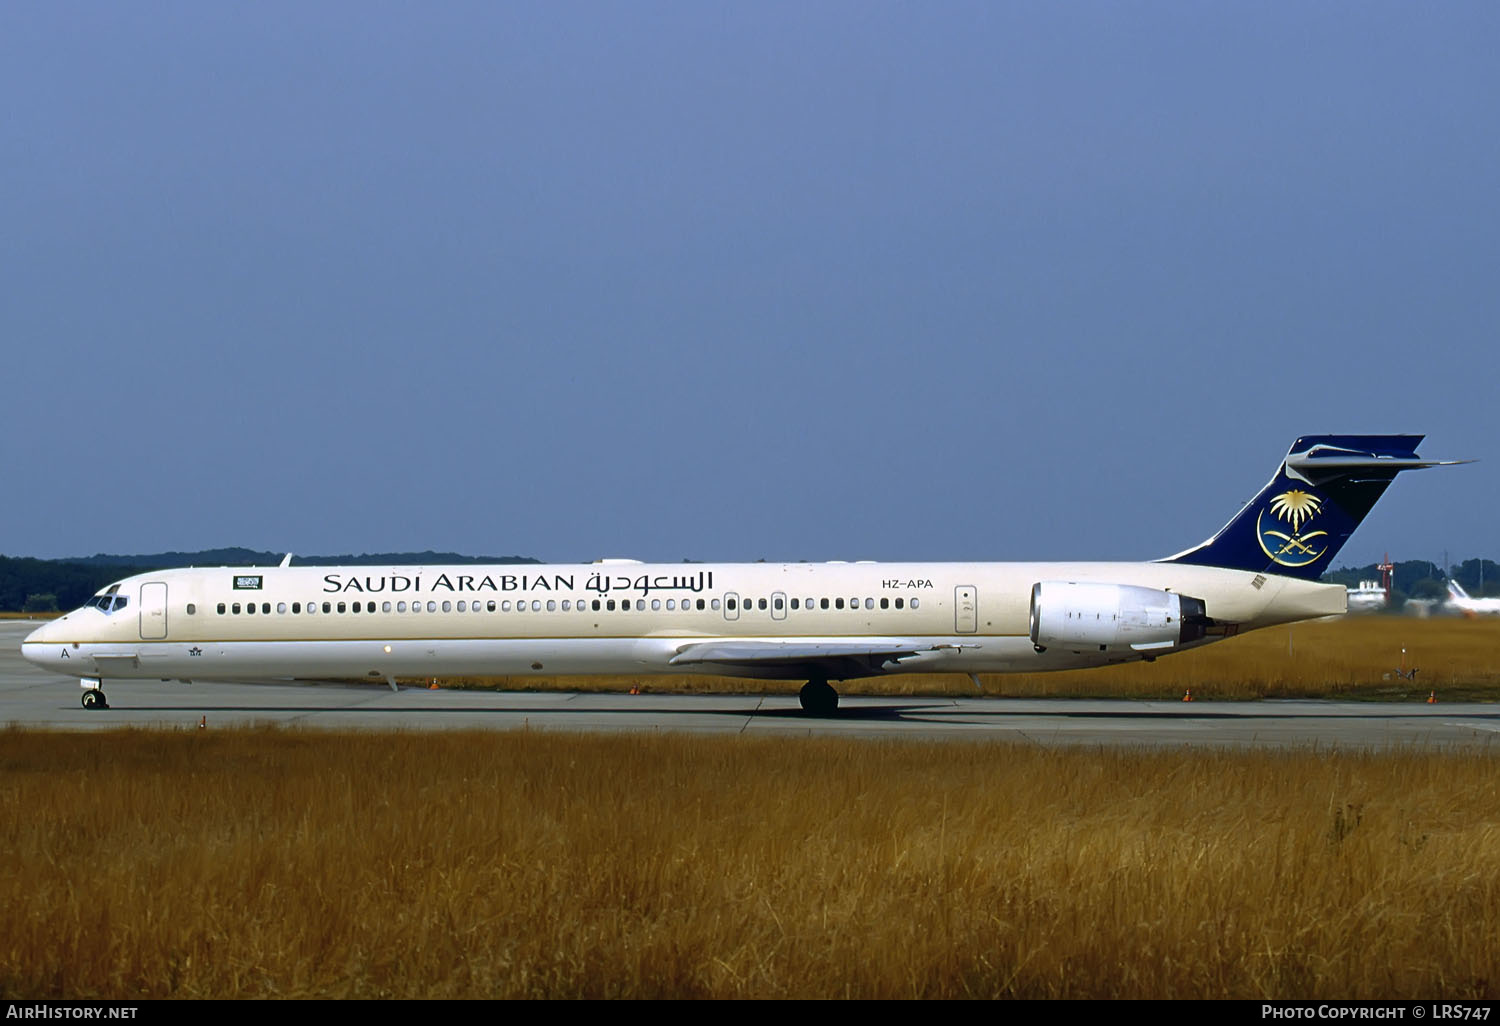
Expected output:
(830, 280)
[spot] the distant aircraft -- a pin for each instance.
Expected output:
(1459, 600)
(815, 622)
(1369, 597)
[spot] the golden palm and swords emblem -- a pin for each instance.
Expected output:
(1294, 508)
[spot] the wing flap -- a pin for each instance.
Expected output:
(748, 652)
(834, 659)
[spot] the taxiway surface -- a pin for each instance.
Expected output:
(30, 697)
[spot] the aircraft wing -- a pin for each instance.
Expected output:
(835, 659)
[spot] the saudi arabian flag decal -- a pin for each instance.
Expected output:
(1283, 539)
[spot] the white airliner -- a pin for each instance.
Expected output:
(1472, 607)
(816, 622)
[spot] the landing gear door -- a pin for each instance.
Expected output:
(965, 609)
(153, 611)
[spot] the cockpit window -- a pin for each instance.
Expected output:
(108, 602)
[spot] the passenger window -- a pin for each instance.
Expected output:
(400, 607)
(714, 603)
(236, 608)
(760, 604)
(490, 605)
(341, 607)
(191, 609)
(596, 605)
(462, 608)
(281, 607)
(869, 603)
(249, 607)
(431, 607)
(838, 603)
(915, 603)
(729, 603)
(551, 605)
(898, 603)
(296, 607)
(221, 608)
(328, 608)
(822, 603)
(385, 607)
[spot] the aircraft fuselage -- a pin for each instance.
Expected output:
(535, 620)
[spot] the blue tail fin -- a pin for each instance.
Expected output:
(1323, 489)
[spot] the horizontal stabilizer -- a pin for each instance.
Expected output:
(1320, 464)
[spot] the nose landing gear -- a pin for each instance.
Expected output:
(93, 693)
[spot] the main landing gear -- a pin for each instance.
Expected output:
(818, 698)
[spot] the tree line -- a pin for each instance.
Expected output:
(1424, 580)
(48, 585)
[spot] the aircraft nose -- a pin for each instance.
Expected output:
(41, 633)
(36, 644)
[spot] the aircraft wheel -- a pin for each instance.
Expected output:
(93, 698)
(819, 698)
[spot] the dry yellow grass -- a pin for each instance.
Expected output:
(1349, 657)
(300, 864)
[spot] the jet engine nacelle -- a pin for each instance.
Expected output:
(1074, 615)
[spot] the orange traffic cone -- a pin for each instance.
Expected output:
(1188, 697)
(433, 686)
(1432, 698)
(635, 689)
